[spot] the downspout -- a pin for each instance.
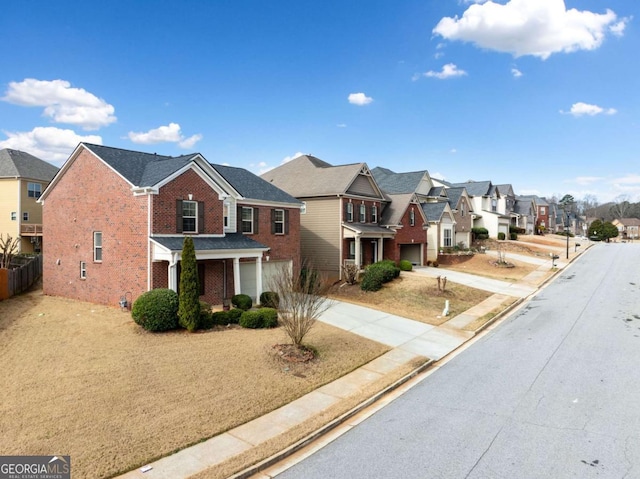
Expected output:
(149, 263)
(19, 215)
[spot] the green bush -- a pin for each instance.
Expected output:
(388, 269)
(480, 233)
(206, 316)
(372, 279)
(221, 318)
(513, 236)
(501, 236)
(269, 317)
(242, 301)
(270, 299)
(405, 265)
(189, 300)
(156, 310)
(435, 264)
(233, 315)
(251, 319)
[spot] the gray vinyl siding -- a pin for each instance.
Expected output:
(362, 186)
(320, 229)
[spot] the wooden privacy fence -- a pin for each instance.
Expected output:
(24, 272)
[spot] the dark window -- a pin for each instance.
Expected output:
(247, 220)
(34, 190)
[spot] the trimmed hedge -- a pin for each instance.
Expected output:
(206, 316)
(501, 236)
(156, 310)
(480, 233)
(372, 279)
(259, 318)
(405, 265)
(233, 315)
(270, 299)
(242, 301)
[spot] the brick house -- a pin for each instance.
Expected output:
(23, 178)
(117, 219)
(628, 228)
(347, 217)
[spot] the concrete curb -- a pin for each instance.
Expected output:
(279, 456)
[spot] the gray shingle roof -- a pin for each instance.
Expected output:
(434, 211)
(230, 241)
(476, 188)
(138, 168)
(15, 163)
(148, 169)
(393, 212)
(397, 183)
(307, 176)
(252, 186)
(454, 195)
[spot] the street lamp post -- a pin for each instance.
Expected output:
(567, 233)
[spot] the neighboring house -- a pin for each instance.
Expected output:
(341, 218)
(485, 199)
(628, 228)
(463, 215)
(23, 178)
(441, 228)
(525, 214)
(116, 221)
(405, 216)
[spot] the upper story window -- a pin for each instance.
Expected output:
(462, 208)
(349, 212)
(25, 216)
(542, 210)
(34, 190)
(225, 214)
(494, 205)
(363, 213)
(374, 214)
(247, 220)
(412, 217)
(189, 216)
(97, 246)
(14, 216)
(278, 222)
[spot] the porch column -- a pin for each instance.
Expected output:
(258, 278)
(172, 273)
(236, 276)
(380, 249)
(358, 253)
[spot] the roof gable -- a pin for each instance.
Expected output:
(15, 163)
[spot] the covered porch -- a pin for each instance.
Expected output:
(364, 244)
(227, 252)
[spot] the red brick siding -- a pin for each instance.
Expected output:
(408, 234)
(91, 197)
(463, 223)
(164, 204)
(282, 247)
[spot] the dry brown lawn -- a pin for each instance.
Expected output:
(486, 265)
(415, 297)
(84, 380)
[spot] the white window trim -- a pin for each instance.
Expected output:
(25, 216)
(412, 217)
(243, 221)
(14, 216)
(363, 213)
(374, 214)
(37, 190)
(195, 217)
(279, 222)
(450, 237)
(97, 246)
(83, 270)
(349, 212)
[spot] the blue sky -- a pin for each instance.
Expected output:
(542, 94)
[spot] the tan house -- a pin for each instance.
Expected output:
(628, 228)
(341, 220)
(23, 178)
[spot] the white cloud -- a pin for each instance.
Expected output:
(359, 99)
(171, 133)
(63, 104)
(581, 109)
(47, 143)
(530, 27)
(287, 159)
(516, 73)
(453, 151)
(341, 125)
(587, 180)
(449, 70)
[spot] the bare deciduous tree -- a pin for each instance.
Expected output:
(303, 298)
(8, 248)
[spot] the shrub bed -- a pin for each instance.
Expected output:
(156, 310)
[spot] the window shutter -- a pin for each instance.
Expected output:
(273, 221)
(346, 212)
(179, 216)
(255, 220)
(200, 216)
(286, 222)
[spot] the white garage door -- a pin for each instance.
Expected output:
(269, 270)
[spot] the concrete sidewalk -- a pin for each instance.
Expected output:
(409, 339)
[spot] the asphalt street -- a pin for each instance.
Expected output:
(552, 392)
